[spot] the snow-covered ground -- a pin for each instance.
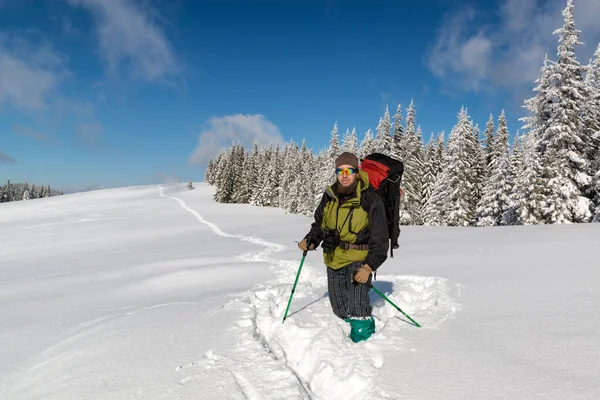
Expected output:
(160, 293)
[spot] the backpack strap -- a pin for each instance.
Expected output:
(395, 197)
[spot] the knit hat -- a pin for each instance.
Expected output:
(346, 158)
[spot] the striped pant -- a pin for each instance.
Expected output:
(348, 299)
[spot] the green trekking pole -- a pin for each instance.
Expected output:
(296, 281)
(389, 301)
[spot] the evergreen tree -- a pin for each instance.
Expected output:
(430, 170)
(436, 209)
(239, 184)
(411, 207)
(325, 175)
(327, 164)
(276, 172)
(440, 152)
(383, 140)
(225, 179)
(460, 185)
(254, 167)
(511, 216)
(537, 123)
(565, 137)
(530, 193)
(209, 173)
(597, 196)
(334, 143)
(305, 183)
(289, 193)
(477, 170)
(244, 192)
(591, 112)
(367, 146)
(350, 142)
(489, 144)
(397, 138)
(496, 192)
(411, 123)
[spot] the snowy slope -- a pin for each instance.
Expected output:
(160, 293)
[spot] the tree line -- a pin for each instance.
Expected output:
(25, 191)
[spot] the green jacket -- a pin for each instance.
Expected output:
(360, 220)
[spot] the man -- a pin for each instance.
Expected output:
(350, 224)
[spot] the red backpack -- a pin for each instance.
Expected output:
(385, 176)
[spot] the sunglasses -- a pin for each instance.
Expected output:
(347, 171)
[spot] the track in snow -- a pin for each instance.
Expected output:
(311, 356)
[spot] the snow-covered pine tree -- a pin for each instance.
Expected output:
(367, 145)
(383, 139)
(190, 186)
(33, 192)
(478, 168)
(591, 112)
(530, 192)
(334, 144)
(435, 211)
(460, 185)
(326, 162)
(440, 152)
(489, 144)
(248, 178)
(209, 173)
(510, 216)
(350, 142)
(224, 178)
(324, 175)
(411, 126)
(239, 183)
(565, 137)
(430, 170)
(597, 196)
(262, 177)
(496, 192)
(306, 189)
(276, 172)
(353, 142)
(254, 165)
(345, 139)
(412, 205)
(397, 138)
(289, 190)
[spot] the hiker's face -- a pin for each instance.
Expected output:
(346, 174)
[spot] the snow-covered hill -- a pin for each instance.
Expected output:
(161, 293)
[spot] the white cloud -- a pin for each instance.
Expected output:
(460, 52)
(88, 134)
(221, 131)
(130, 35)
(31, 133)
(30, 73)
(5, 158)
(508, 54)
(32, 81)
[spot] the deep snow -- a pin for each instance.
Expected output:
(157, 292)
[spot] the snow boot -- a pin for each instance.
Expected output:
(361, 328)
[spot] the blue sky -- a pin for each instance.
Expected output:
(98, 93)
